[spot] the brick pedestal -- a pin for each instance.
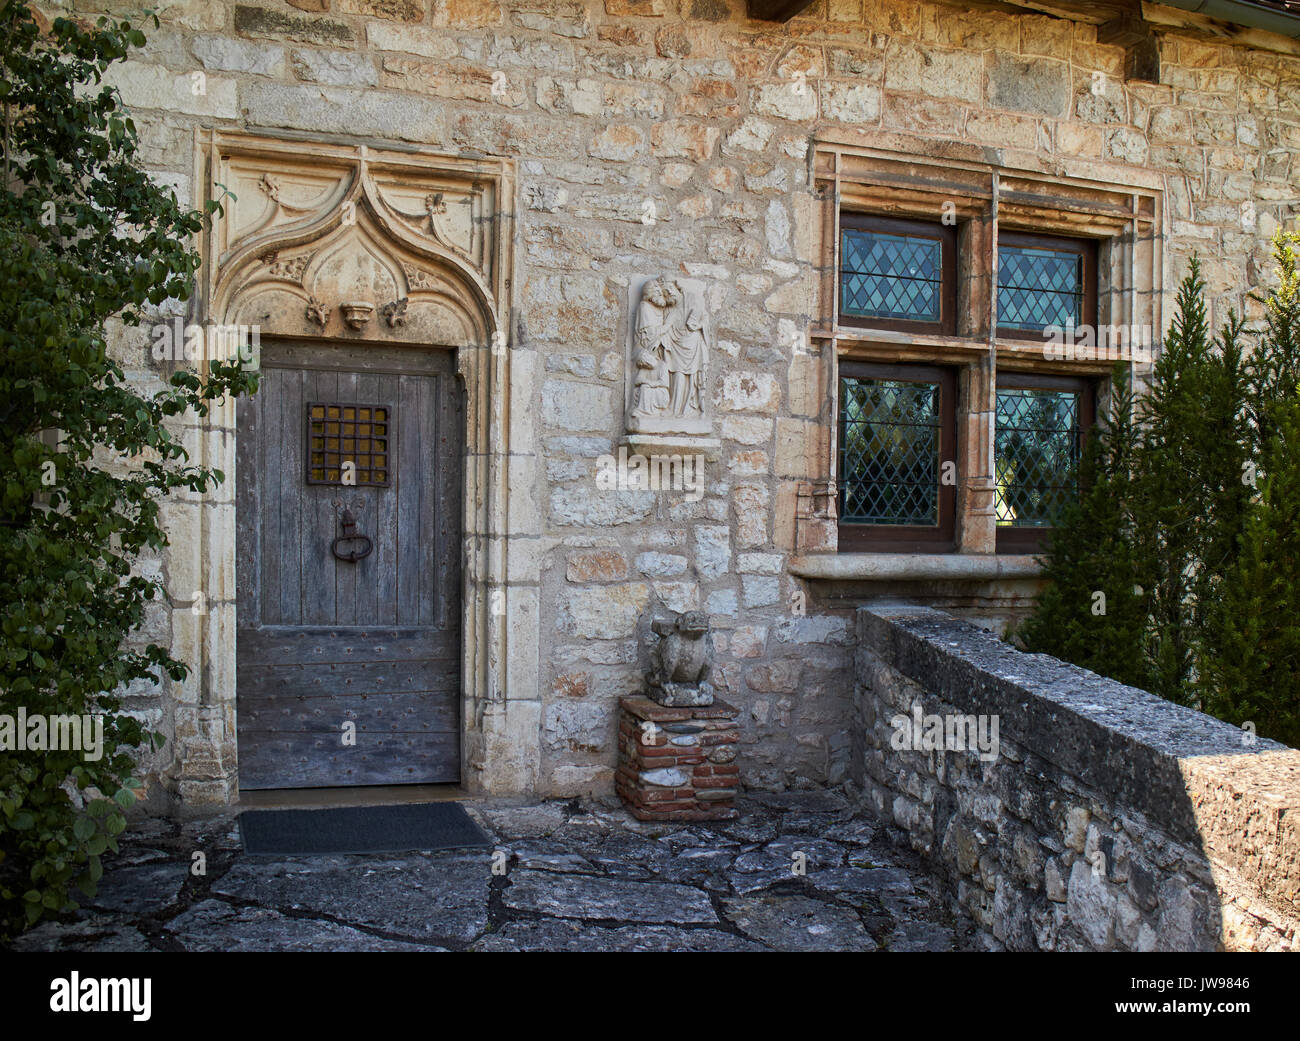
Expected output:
(677, 764)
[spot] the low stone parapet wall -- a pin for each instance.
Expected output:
(1069, 811)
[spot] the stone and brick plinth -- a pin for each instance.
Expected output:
(677, 764)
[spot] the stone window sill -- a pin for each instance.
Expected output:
(896, 567)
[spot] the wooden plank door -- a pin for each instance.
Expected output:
(348, 671)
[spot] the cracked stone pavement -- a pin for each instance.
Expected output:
(581, 876)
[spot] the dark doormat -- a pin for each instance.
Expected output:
(359, 829)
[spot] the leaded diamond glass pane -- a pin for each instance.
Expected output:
(1038, 288)
(889, 452)
(890, 276)
(1037, 456)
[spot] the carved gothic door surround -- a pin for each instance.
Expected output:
(380, 282)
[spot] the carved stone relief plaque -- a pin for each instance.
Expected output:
(669, 354)
(357, 243)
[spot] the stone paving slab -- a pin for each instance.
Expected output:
(431, 899)
(796, 871)
(793, 922)
(552, 935)
(216, 926)
(99, 935)
(608, 899)
(139, 888)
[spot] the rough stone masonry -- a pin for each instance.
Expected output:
(1110, 819)
(688, 105)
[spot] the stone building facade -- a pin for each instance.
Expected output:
(502, 179)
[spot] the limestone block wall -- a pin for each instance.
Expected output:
(1105, 819)
(675, 136)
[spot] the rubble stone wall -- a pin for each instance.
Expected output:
(1108, 819)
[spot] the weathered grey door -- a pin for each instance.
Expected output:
(349, 658)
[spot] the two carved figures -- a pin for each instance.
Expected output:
(670, 352)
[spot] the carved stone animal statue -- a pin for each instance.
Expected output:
(680, 660)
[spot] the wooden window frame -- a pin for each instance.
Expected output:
(946, 235)
(1010, 539)
(858, 537)
(1086, 248)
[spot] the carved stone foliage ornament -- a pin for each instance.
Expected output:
(289, 268)
(318, 312)
(394, 312)
(671, 344)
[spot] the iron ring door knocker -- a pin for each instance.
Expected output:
(350, 534)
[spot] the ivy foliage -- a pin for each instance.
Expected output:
(86, 458)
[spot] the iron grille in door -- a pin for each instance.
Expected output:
(339, 433)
